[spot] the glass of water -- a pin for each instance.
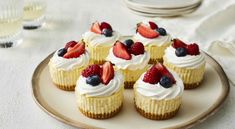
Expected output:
(34, 14)
(11, 15)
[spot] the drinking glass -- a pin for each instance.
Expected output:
(11, 15)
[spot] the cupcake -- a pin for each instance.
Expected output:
(130, 58)
(99, 39)
(154, 38)
(67, 63)
(99, 91)
(158, 93)
(187, 61)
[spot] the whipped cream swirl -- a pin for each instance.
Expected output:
(68, 64)
(189, 61)
(100, 90)
(99, 39)
(158, 92)
(136, 62)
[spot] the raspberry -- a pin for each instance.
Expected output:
(137, 48)
(152, 76)
(193, 49)
(91, 70)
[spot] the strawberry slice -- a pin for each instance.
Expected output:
(152, 76)
(96, 28)
(153, 25)
(120, 50)
(147, 31)
(107, 73)
(105, 25)
(75, 51)
(164, 71)
(178, 43)
(193, 49)
(70, 44)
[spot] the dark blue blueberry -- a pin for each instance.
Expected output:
(180, 51)
(93, 80)
(107, 32)
(165, 82)
(161, 31)
(62, 51)
(128, 43)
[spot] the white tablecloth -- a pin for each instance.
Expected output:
(67, 20)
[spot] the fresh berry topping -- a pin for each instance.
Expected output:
(193, 49)
(178, 43)
(91, 70)
(153, 25)
(147, 31)
(128, 43)
(61, 52)
(137, 48)
(107, 32)
(107, 72)
(161, 31)
(96, 28)
(165, 72)
(120, 50)
(152, 76)
(75, 51)
(165, 82)
(93, 80)
(180, 52)
(70, 44)
(105, 25)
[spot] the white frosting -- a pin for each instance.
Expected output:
(100, 90)
(99, 39)
(189, 61)
(156, 91)
(68, 64)
(136, 61)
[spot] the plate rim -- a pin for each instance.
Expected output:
(58, 116)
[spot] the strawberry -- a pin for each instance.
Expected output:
(91, 70)
(137, 48)
(193, 49)
(153, 25)
(178, 43)
(75, 51)
(147, 31)
(96, 28)
(120, 50)
(164, 72)
(107, 72)
(152, 76)
(70, 44)
(105, 25)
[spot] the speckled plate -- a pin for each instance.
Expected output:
(198, 104)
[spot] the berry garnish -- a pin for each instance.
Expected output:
(93, 80)
(165, 82)
(107, 32)
(152, 76)
(193, 49)
(105, 25)
(107, 72)
(180, 52)
(161, 31)
(128, 43)
(61, 52)
(164, 72)
(75, 51)
(70, 44)
(147, 31)
(153, 25)
(137, 48)
(91, 70)
(96, 28)
(120, 50)
(178, 43)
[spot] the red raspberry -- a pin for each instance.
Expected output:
(137, 48)
(91, 70)
(152, 76)
(193, 49)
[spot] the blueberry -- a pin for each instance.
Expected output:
(107, 32)
(165, 82)
(62, 51)
(128, 43)
(93, 80)
(180, 52)
(161, 31)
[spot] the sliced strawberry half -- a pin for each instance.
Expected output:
(165, 72)
(178, 43)
(70, 44)
(107, 72)
(193, 49)
(75, 51)
(153, 25)
(92, 70)
(147, 31)
(152, 76)
(120, 50)
(137, 48)
(105, 25)
(96, 28)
